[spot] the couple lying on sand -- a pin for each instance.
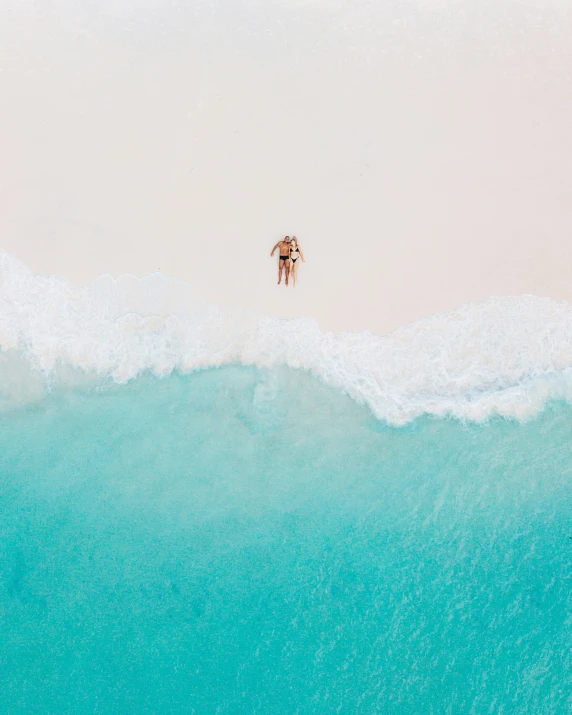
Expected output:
(289, 254)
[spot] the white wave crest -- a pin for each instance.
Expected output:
(506, 356)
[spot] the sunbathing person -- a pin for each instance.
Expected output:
(284, 258)
(295, 255)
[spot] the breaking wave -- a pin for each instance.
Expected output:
(506, 356)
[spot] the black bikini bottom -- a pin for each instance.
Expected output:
(293, 260)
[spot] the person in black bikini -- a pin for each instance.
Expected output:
(284, 260)
(295, 254)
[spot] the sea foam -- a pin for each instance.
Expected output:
(506, 356)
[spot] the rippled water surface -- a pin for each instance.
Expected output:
(248, 541)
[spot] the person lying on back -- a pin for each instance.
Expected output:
(284, 258)
(295, 254)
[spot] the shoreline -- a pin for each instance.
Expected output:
(506, 356)
(351, 308)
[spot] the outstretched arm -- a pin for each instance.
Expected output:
(275, 247)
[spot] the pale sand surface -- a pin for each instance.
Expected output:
(418, 176)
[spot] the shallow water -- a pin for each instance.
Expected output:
(249, 541)
(508, 356)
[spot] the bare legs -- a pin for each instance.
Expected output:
(283, 265)
(294, 271)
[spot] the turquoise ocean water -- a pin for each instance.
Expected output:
(242, 540)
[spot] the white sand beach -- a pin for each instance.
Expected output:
(423, 156)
